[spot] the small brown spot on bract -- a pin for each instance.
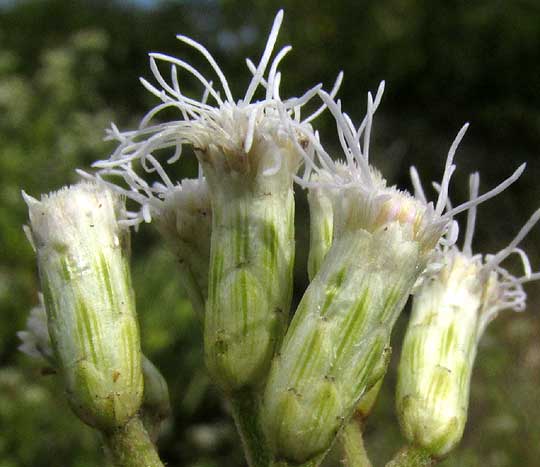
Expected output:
(444, 368)
(295, 392)
(115, 376)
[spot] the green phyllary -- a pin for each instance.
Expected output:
(451, 310)
(83, 259)
(337, 345)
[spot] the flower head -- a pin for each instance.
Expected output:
(184, 218)
(456, 300)
(249, 137)
(83, 256)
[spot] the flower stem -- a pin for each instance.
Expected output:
(354, 451)
(313, 463)
(412, 456)
(130, 446)
(245, 408)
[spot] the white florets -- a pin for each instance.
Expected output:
(432, 223)
(75, 211)
(356, 182)
(185, 211)
(216, 120)
(499, 289)
(158, 199)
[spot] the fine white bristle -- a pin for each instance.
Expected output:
(250, 131)
(511, 248)
(449, 169)
(488, 195)
(273, 70)
(369, 122)
(196, 45)
(333, 93)
(271, 42)
(474, 184)
(417, 184)
(186, 66)
(375, 106)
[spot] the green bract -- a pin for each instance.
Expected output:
(252, 254)
(337, 344)
(184, 218)
(156, 405)
(321, 224)
(437, 359)
(83, 259)
(450, 312)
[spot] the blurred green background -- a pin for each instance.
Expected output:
(68, 68)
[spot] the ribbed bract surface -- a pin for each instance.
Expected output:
(321, 227)
(335, 347)
(437, 358)
(251, 261)
(84, 271)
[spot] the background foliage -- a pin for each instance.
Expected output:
(69, 68)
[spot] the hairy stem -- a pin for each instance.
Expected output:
(130, 446)
(412, 456)
(245, 408)
(313, 463)
(352, 445)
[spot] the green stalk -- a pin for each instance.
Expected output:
(245, 409)
(313, 463)
(130, 446)
(412, 456)
(352, 445)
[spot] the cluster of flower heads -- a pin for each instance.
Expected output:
(218, 121)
